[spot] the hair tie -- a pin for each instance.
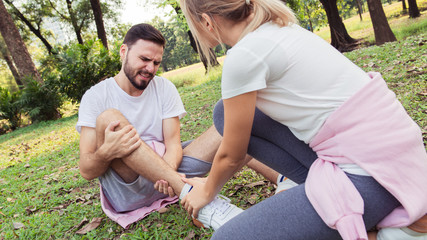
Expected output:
(248, 2)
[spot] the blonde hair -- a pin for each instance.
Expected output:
(234, 10)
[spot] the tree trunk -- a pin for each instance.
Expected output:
(97, 13)
(414, 12)
(36, 32)
(6, 56)
(382, 29)
(204, 60)
(359, 8)
(16, 46)
(307, 11)
(340, 38)
(193, 44)
(404, 5)
(74, 22)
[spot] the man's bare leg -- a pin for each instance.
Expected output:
(264, 170)
(143, 161)
(205, 146)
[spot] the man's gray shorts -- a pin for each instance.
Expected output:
(130, 196)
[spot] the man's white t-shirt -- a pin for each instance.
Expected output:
(160, 100)
(300, 79)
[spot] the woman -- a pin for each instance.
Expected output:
(295, 103)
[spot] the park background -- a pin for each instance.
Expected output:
(42, 195)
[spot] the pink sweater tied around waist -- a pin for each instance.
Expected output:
(372, 130)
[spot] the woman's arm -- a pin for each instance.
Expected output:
(238, 118)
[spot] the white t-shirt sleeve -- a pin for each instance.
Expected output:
(243, 72)
(88, 110)
(172, 105)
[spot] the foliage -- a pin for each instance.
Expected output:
(41, 100)
(310, 13)
(82, 66)
(10, 109)
(178, 51)
(42, 195)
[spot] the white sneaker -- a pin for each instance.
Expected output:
(216, 213)
(284, 183)
(403, 233)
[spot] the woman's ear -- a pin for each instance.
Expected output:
(207, 22)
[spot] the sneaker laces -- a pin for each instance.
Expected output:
(219, 205)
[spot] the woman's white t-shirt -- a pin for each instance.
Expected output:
(300, 79)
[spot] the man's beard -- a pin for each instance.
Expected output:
(143, 84)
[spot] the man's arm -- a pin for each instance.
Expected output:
(94, 159)
(172, 140)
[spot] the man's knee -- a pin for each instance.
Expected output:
(218, 117)
(109, 116)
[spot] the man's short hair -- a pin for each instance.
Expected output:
(146, 32)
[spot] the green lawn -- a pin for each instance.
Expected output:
(42, 195)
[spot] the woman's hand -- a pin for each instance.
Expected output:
(197, 198)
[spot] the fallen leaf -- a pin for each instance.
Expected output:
(144, 228)
(163, 210)
(84, 221)
(30, 209)
(251, 185)
(190, 235)
(27, 165)
(90, 226)
(18, 225)
(252, 199)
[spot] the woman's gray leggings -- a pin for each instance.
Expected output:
(290, 215)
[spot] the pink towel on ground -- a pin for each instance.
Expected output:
(127, 218)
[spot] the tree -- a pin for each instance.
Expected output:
(4, 53)
(178, 12)
(340, 38)
(78, 17)
(404, 5)
(382, 29)
(97, 13)
(19, 52)
(359, 6)
(178, 52)
(414, 12)
(37, 18)
(193, 43)
(309, 13)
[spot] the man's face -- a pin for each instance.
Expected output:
(141, 62)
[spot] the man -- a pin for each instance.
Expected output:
(130, 134)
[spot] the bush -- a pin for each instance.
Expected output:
(41, 100)
(9, 110)
(82, 66)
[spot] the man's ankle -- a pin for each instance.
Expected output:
(185, 189)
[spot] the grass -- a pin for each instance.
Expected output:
(42, 195)
(400, 23)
